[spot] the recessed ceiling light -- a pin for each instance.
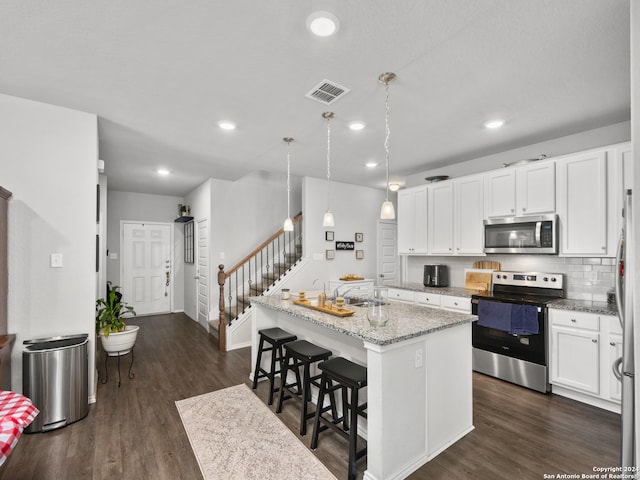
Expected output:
(494, 124)
(323, 24)
(163, 171)
(226, 125)
(356, 126)
(371, 164)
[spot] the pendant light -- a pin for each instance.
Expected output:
(387, 212)
(288, 224)
(327, 221)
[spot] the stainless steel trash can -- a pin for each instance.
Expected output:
(55, 378)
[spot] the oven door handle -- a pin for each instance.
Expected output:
(475, 302)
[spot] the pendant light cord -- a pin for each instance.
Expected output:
(288, 179)
(388, 134)
(328, 163)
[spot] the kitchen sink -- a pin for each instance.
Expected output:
(359, 301)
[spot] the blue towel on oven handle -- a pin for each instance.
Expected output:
(495, 315)
(524, 320)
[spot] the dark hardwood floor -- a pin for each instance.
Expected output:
(135, 432)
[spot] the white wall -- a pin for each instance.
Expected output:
(617, 133)
(142, 207)
(199, 200)
(48, 160)
(254, 207)
(355, 209)
(242, 214)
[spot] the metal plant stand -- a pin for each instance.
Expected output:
(106, 368)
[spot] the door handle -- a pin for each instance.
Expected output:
(616, 367)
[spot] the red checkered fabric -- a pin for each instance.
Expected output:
(16, 413)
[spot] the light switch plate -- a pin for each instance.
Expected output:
(56, 260)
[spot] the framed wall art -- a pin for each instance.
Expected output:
(330, 254)
(359, 237)
(328, 236)
(359, 254)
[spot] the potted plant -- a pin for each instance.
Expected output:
(117, 337)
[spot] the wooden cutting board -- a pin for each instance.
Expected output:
(488, 265)
(477, 279)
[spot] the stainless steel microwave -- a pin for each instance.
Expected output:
(530, 235)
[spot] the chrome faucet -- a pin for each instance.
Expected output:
(336, 292)
(324, 286)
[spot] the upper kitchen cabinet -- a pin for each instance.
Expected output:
(455, 216)
(440, 218)
(590, 186)
(412, 220)
(518, 191)
(469, 212)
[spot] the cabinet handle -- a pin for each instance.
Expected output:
(512, 210)
(524, 209)
(573, 320)
(603, 248)
(455, 303)
(613, 344)
(594, 340)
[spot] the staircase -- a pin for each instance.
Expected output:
(259, 271)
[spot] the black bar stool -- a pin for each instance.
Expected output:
(276, 337)
(347, 376)
(303, 354)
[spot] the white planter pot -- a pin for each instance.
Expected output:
(120, 343)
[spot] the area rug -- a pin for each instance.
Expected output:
(235, 436)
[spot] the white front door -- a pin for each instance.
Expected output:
(146, 267)
(203, 273)
(387, 268)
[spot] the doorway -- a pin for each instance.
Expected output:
(387, 266)
(146, 270)
(202, 273)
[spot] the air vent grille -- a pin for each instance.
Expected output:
(327, 92)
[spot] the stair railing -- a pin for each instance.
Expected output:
(255, 273)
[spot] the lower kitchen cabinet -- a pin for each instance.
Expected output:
(583, 348)
(401, 295)
(458, 304)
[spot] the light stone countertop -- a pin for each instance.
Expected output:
(586, 306)
(418, 287)
(406, 320)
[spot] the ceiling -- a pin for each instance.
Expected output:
(160, 74)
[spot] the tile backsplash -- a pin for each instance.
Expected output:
(586, 278)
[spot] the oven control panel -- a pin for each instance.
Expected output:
(529, 279)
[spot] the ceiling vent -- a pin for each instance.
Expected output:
(327, 92)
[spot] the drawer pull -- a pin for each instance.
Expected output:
(594, 340)
(573, 320)
(613, 344)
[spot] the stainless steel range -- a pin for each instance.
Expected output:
(510, 339)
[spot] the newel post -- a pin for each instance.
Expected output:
(222, 322)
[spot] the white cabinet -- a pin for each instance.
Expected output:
(412, 220)
(576, 359)
(468, 217)
(354, 288)
(536, 188)
(440, 218)
(501, 193)
(455, 216)
(526, 190)
(582, 204)
(615, 352)
(401, 295)
(583, 347)
(458, 304)
(429, 299)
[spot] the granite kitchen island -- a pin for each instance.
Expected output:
(419, 389)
